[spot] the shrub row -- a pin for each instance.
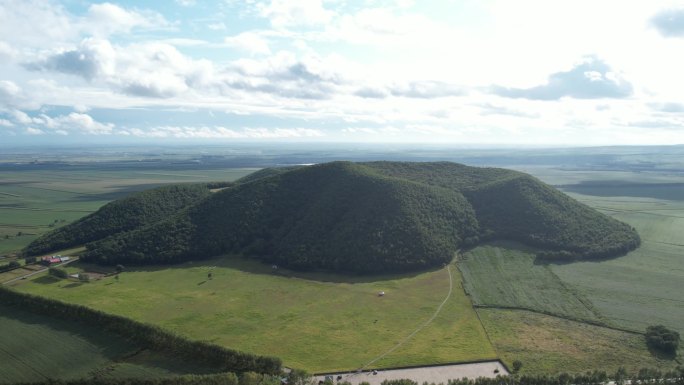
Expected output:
(9, 266)
(147, 336)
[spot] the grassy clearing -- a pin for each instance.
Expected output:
(646, 286)
(505, 275)
(35, 201)
(34, 348)
(546, 344)
(319, 322)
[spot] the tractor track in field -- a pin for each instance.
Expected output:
(421, 327)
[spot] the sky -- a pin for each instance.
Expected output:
(455, 72)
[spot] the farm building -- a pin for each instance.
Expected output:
(53, 259)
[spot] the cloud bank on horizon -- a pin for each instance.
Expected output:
(454, 72)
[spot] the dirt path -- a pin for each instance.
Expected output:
(421, 327)
(39, 271)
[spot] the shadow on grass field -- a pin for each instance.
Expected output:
(34, 348)
(253, 266)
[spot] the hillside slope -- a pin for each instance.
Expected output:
(338, 216)
(121, 215)
(369, 217)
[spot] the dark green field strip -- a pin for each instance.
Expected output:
(61, 191)
(43, 209)
(19, 226)
(39, 347)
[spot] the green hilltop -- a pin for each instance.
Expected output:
(357, 217)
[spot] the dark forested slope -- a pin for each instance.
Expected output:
(368, 217)
(121, 215)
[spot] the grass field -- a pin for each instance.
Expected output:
(546, 344)
(35, 201)
(505, 275)
(318, 322)
(645, 287)
(34, 348)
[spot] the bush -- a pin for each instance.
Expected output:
(660, 338)
(30, 260)
(14, 265)
(83, 277)
(517, 365)
(57, 272)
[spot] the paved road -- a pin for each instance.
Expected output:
(38, 271)
(431, 374)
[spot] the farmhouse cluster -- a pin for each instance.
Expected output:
(53, 259)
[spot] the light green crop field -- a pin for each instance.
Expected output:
(35, 348)
(318, 322)
(33, 202)
(547, 345)
(505, 275)
(646, 287)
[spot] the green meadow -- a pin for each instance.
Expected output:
(547, 344)
(318, 322)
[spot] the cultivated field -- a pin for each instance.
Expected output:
(319, 322)
(34, 348)
(546, 344)
(645, 287)
(505, 275)
(35, 201)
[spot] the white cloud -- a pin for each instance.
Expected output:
(62, 124)
(8, 90)
(106, 19)
(6, 123)
(205, 132)
(590, 79)
(220, 26)
(35, 23)
(34, 131)
(284, 13)
(83, 123)
(186, 3)
(150, 69)
(250, 42)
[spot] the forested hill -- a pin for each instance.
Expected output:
(126, 214)
(369, 217)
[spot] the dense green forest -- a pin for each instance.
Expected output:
(122, 215)
(362, 217)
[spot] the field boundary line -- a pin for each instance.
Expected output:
(520, 308)
(421, 327)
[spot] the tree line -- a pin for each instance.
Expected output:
(148, 336)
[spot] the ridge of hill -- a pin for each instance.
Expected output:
(131, 212)
(368, 217)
